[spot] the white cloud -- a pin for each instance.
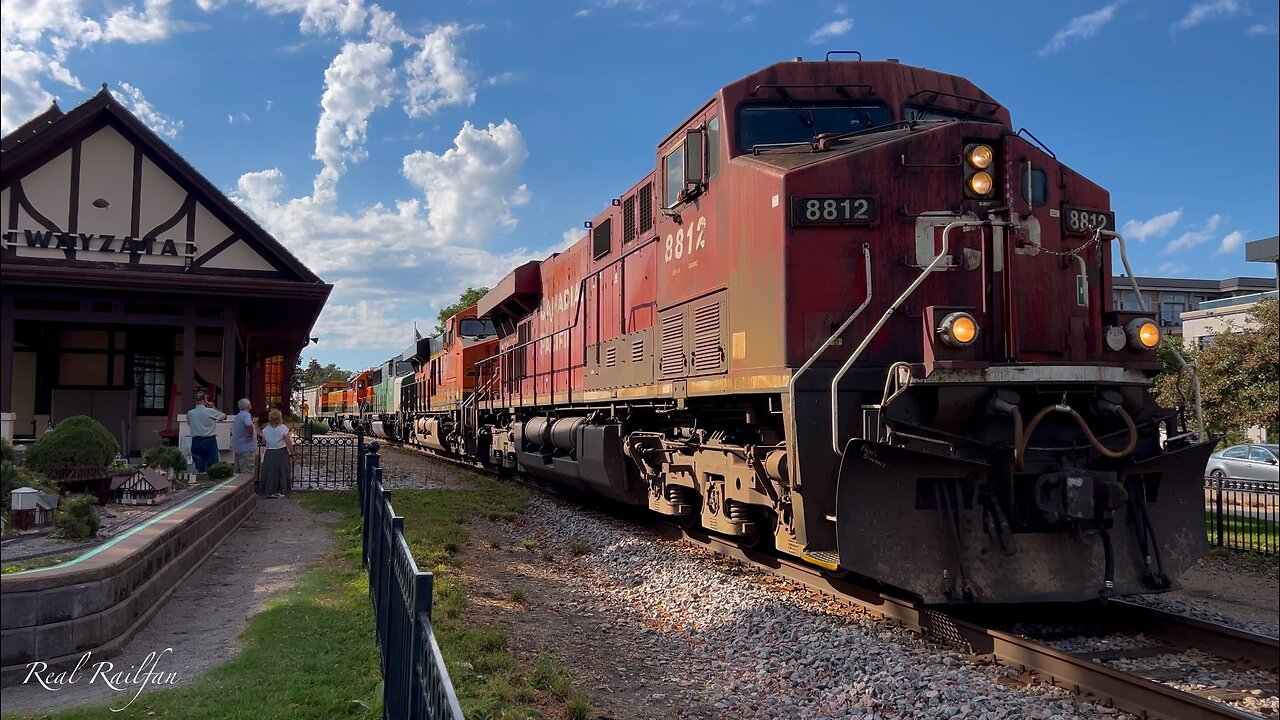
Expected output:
(132, 98)
(345, 17)
(1203, 12)
(437, 76)
(238, 118)
(503, 78)
(269, 104)
(1191, 238)
(1080, 28)
(210, 5)
(357, 82)
(582, 13)
(1152, 227)
(1259, 29)
(381, 258)
(840, 9)
(1232, 242)
(1170, 269)
(471, 188)
(37, 38)
(833, 29)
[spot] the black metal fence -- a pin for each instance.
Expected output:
(416, 685)
(325, 462)
(1243, 514)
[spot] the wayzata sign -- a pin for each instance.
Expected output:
(97, 243)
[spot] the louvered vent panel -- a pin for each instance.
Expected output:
(629, 219)
(637, 351)
(672, 362)
(646, 208)
(611, 356)
(707, 352)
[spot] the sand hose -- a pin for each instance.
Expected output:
(1021, 437)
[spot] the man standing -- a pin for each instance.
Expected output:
(244, 437)
(203, 421)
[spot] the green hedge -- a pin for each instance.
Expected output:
(76, 442)
(221, 471)
(78, 519)
(319, 427)
(164, 456)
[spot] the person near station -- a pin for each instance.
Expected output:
(203, 421)
(244, 434)
(273, 476)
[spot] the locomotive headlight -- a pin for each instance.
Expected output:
(980, 156)
(980, 183)
(958, 329)
(1143, 334)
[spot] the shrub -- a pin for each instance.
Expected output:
(8, 481)
(319, 427)
(6, 451)
(78, 519)
(76, 442)
(221, 471)
(164, 456)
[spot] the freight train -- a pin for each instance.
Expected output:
(850, 313)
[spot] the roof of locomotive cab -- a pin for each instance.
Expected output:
(890, 81)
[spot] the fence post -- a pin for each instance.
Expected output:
(1217, 510)
(369, 464)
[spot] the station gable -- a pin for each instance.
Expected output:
(96, 188)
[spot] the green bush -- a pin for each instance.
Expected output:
(6, 451)
(221, 471)
(165, 456)
(77, 519)
(319, 427)
(8, 481)
(76, 442)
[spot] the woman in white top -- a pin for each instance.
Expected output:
(273, 476)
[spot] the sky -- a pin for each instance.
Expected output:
(406, 151)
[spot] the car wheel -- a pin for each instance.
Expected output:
(1218, 475)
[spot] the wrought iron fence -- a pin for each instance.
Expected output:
(1243, 514)
(325, 462)
(416, 684)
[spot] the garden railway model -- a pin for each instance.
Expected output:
(851, 314)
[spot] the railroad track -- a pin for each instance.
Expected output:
(1020, 637)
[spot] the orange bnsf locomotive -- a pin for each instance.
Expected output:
(855, 315)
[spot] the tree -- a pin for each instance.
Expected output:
(469, 297)
(1239, 377)
(317, 374)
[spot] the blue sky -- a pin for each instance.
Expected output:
(408, 150)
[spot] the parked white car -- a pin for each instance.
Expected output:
(1246, 462)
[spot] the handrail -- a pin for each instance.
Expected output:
(1142, 305)
(844, 369)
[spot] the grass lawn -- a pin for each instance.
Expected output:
(1245, 533)
(37, 563)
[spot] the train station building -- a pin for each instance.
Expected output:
(128, 281)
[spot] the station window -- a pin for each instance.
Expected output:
(273, 381)
(674, 172)
(151, 378)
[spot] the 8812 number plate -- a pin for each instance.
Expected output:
(1081, 221)
(842, 210)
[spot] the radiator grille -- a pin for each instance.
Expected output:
(637, 351)
(672, 362)
(611, 356)
(629, 219)
(646, 208)
(708, 353)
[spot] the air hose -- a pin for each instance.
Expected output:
(1021, 438)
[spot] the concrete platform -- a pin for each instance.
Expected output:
(99, 600)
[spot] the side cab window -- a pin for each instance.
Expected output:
(691, 164)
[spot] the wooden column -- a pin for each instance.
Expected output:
(188, 362)
(228, 390)
(6, 354)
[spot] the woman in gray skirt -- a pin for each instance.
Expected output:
(273, 475)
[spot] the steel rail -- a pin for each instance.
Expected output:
(1131, 693)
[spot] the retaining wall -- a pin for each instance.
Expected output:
(55, 615)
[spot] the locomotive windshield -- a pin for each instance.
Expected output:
(802, 122)
(471, 327)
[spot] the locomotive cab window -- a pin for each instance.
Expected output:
(932, 114)
(674, 172)
(782, 122)
(713, 146)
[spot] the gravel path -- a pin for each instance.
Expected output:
(1242, 593)
(206, 613)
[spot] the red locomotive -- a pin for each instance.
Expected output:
(855, 315)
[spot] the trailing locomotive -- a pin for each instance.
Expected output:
(853, 314)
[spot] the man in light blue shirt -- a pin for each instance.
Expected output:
(244, 437)
(203, 422)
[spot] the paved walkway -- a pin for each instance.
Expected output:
(205, 615)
